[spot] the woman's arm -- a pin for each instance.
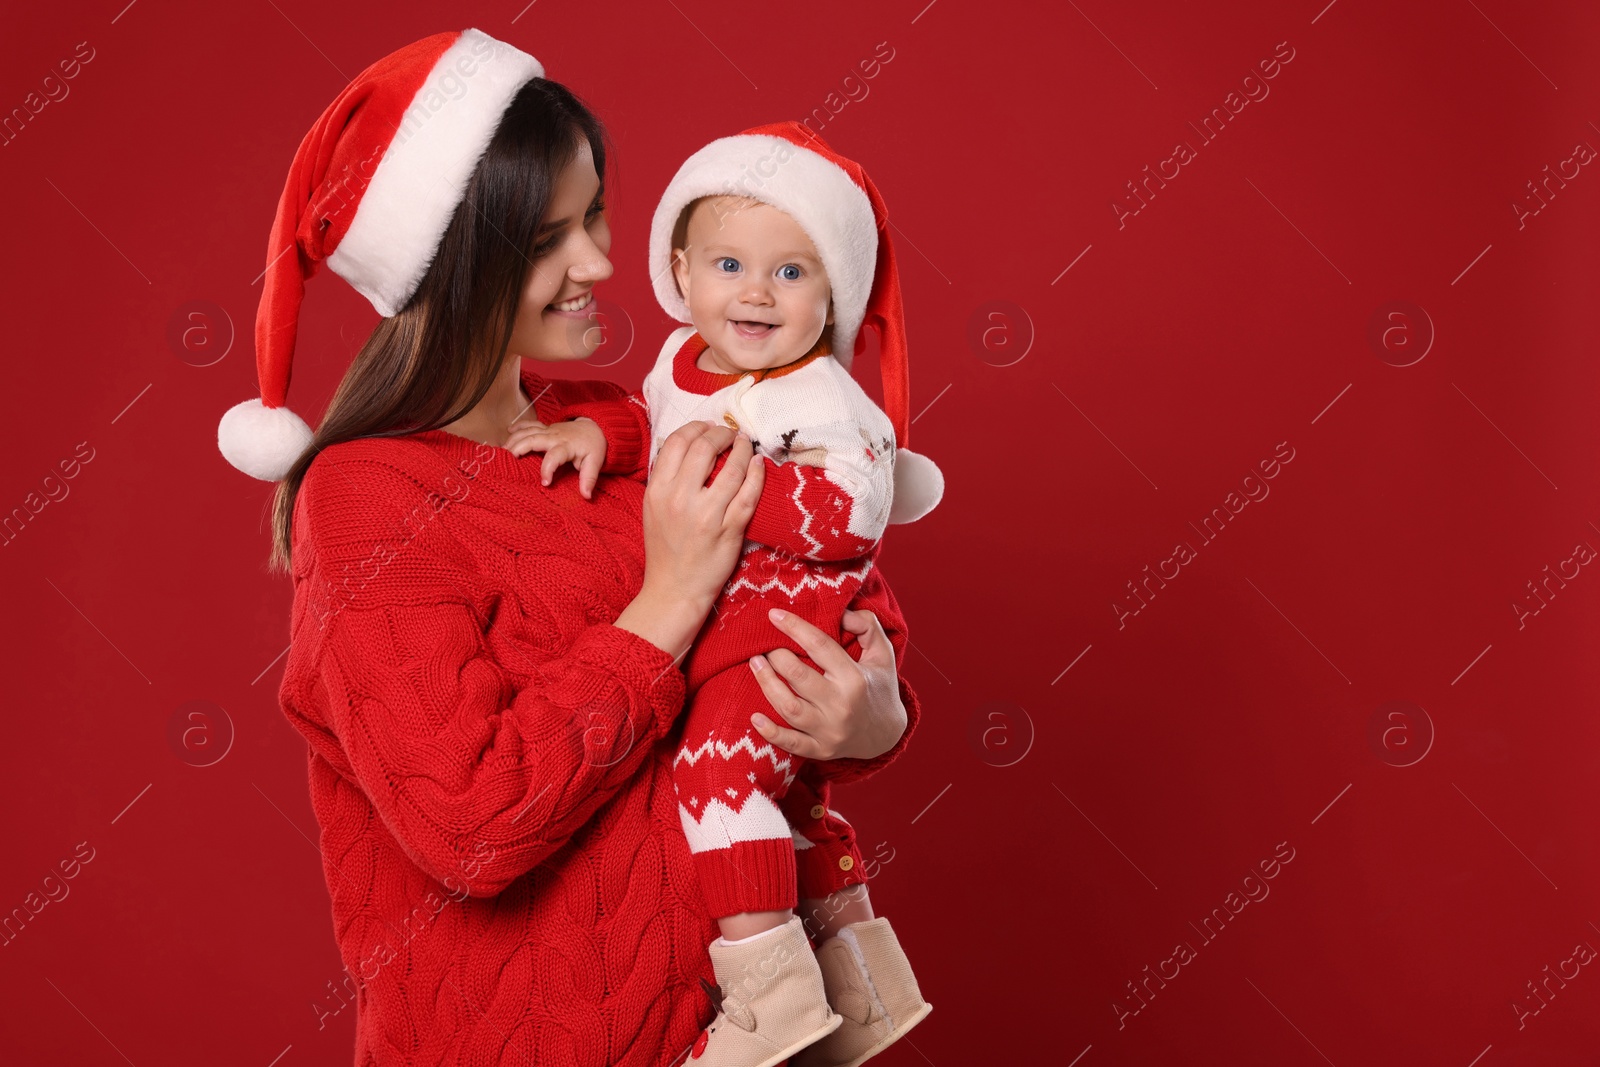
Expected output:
(479, 775)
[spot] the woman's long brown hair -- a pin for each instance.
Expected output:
(431, 363)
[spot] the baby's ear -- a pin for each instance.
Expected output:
(829, 319)
(680, 271)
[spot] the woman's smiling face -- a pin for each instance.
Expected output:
(555, 316)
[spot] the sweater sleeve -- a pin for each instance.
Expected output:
(479, 771)
(621, 415)
(816, 514)
(876, 596)
(829, 464)
(804, 511)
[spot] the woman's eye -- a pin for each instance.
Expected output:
(728, 264)
(789, 272)
(596, 208)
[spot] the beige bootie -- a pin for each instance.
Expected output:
(869, 983)
(773, 1001)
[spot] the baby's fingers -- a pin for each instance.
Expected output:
(588, 474)
(522, 441)
(559, 453)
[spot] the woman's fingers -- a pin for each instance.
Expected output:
(875, 646)
(676, 447)
(778, 693)
(743, 507)
(811, 685)
(790, 740)
(822, 649)
(702, 453)
(794, 711)
(860, 621)
(670, 454)
(730, 479)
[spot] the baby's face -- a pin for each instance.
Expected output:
(754, 284)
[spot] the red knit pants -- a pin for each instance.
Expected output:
(756, 817)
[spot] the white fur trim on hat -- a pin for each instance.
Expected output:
(416, 187)
(831, 208)
(261, 441)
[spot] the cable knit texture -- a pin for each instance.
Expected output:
(490, 758)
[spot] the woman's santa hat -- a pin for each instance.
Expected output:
(786, 165)
(371, 191)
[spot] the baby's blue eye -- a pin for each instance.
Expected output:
(789, 272)
(728, 264)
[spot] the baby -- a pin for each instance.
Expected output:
(775, 249)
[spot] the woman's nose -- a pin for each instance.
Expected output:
(591, 267)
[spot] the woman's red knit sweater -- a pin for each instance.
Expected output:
(490, 758)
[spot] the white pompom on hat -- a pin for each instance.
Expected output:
(786, 165)
(371, 191)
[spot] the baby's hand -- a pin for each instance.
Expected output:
(579, 441)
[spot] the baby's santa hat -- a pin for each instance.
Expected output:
(371, 191)
(788, 166)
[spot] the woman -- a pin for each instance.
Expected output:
(485, 667)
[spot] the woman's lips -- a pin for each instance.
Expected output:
(581, 307)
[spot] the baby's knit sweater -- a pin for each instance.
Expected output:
(490, 757)
(815, 537)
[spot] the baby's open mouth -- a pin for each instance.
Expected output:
(752, 329)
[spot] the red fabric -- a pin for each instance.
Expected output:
(331, 169)
(793, 491)
(688, 374)
(821, 871)
(489, 757)
(802, 558)
(730, 762)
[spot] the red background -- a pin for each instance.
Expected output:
(1053, 831)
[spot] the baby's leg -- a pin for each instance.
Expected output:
(865, 974)
(831, 877)
(730, 782)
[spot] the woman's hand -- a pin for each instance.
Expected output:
(693, 532)
(851, 709)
